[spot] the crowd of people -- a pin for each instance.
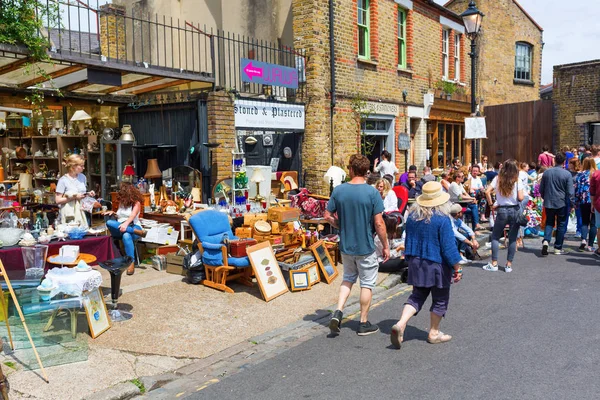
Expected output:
(419, 223)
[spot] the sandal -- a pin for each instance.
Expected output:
(397, 336)
(131, 269)
(440, 338)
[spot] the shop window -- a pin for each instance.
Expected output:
(363, 29)
(374, 125)
(401, 38)
(445, 53)
(523, 53)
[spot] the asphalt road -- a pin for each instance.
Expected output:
(530, 334)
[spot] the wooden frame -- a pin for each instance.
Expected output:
(266, 270)
(299, 280)
(324, 260)
(313, 273)
(96, 312)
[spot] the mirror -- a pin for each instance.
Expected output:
(221, 191)
(187, 177)
(324, 260)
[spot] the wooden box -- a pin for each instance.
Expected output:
(237, 248)
(243, 232)
(283, 214)
(251, 218)
(176, 269)
(276, 239)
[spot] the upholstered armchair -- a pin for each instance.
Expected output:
(212, 229)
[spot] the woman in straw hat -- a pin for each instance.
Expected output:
(433, 261)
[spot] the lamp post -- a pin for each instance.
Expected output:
(472, 20)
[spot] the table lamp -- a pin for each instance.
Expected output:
(257, 177)
(80, 116)
(152, 171)
(26, 182)
(196, 195)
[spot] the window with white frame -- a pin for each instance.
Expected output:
(457, 57)
(363, 29)
(523, 61)
(401, 38)
(445, 55)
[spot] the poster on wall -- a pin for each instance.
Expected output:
(254, 114)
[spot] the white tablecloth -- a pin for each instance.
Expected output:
(71, 282)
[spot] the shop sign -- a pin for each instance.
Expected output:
(373, 107)
(258, 114)
(269, 74)
(403, 142)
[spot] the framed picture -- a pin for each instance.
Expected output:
(313, 273)
(323, 258)
(299, 280)
(267, 271)
(95, 310)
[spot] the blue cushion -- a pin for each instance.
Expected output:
(239, 262)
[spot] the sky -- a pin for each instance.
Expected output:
(571, 31)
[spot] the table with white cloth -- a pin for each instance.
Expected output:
(73, 283)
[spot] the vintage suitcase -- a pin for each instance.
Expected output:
(283, 214)
(237, 248)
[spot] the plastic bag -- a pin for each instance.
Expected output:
(572, 225)
(192, 263)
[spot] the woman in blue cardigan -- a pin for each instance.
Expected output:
(433, 261)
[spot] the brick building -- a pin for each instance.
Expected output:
(576, 103)
(509, 67)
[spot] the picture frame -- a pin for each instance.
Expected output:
(328, 269)
(266, 270)
(299, 280)
(96, 312)
(313, 273)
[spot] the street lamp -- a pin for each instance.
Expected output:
(472, 20)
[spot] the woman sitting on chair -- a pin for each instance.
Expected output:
(126, 225)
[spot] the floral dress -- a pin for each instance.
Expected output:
(582, 188)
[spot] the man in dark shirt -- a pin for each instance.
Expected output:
(490, 175)
(556, 188)
(404, 176)
(413, 186)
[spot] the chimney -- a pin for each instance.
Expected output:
(112, 31)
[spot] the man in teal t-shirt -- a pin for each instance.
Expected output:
(355, 208)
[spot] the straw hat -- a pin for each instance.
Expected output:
(433, 195)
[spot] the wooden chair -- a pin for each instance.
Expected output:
(211, 227)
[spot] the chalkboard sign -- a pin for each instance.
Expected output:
(323, 258)
(403, 142)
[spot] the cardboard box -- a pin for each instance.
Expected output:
(174, 259)
(251, 218)
(166, 249)
(283, 214)
(176, 269)
(243, 232)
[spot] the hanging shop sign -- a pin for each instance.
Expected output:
(257, 114)
(269, 74)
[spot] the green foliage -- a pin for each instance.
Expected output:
(23, 23)
(361, 114)
(446, 86)
(10, 364)
(139, 384)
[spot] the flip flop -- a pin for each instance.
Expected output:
(440, 338)
(397, 336)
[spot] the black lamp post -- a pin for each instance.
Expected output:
(472, 20)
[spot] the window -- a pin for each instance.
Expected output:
(445, 45)
(523, 61)
(457, 58)
(401, 38)
(375, 125)
(363, 29)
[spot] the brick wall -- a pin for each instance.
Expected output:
(221, 129)
(112, 31)
(504, 24)
(576, 101)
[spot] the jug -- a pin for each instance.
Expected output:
(34, 259)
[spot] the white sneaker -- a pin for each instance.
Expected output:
(463, 262)
(488, 245)
(560, 252)
(490, 267)
(507, 269)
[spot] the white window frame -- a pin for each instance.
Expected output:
(445, 53)
(523, 61)
(457, 51)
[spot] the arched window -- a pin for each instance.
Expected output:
(523, 52)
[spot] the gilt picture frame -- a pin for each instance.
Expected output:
(328, 268)
(266, 270)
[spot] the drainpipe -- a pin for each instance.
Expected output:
(332, 68)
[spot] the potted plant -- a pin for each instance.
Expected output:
(449, 88)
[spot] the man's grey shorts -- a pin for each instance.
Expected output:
(363, 267)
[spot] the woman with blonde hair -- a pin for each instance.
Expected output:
(510, 192)
(433, 261)
(71, 189)
(583, 202)
(390, 200)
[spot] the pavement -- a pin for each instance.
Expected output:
(525, 334)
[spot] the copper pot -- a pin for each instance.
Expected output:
(21, 152)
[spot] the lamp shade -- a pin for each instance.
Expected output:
(196, 195)
(153, 171)
(257, 176)
(25, 182)
(80, 115)
(127, 134)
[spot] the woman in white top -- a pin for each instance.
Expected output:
(385, 167)
(390, 200)
(71, 189)
(510, 192)
(126, 225)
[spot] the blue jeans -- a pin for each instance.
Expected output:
(474, 208)
(505, 216)
(559, 217)
(128, 237)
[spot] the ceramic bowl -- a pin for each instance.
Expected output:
(77, 233)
